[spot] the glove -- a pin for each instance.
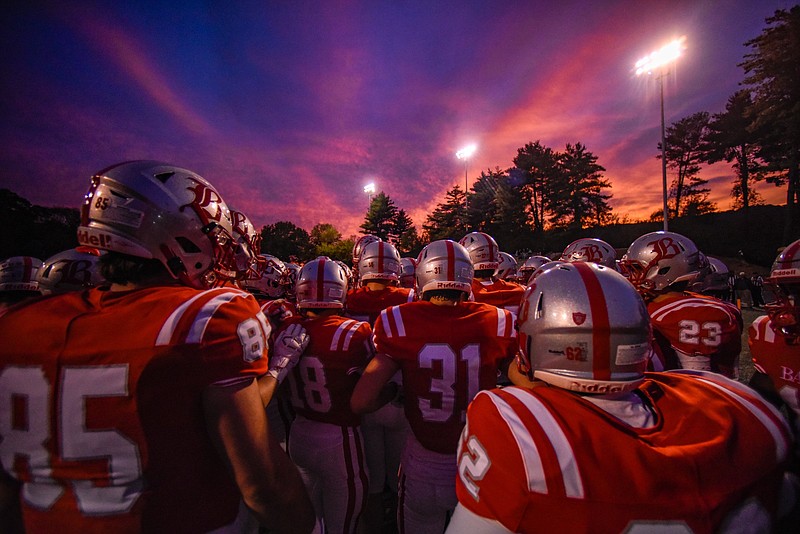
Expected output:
(286, 352)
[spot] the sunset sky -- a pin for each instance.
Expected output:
(291, 107)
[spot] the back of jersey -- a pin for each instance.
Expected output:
(101, 406)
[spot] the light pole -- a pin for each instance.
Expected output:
(369, 189)
(465, 154)
(660, 59)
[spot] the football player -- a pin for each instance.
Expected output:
(691, 331)
(774, 338)
(70, 270)
(325, 439)
(448, 349)
(485, 257)
(507, 267)
(135, 407)
(590, 249)
(587, 442)
(407, 268)
(530, 266)
(19, 280)
(386, 429)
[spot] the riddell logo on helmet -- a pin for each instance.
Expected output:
(448, 285)
(596, 388)
(94, 240)
(785, 272)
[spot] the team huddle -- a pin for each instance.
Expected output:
(170, 376)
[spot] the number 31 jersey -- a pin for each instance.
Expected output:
(447, 354)
(101, 413)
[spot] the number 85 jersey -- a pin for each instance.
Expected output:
(694, 331)
(447, 354)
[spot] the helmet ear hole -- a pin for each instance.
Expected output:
(539, 313)
(662, 271)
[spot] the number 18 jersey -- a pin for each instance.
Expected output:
(447, 354)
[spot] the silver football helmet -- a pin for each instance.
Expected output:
(71, 270)
(590, 249)
(379, 261)
(529, 266)
(583, 327)
(359, 245)
(20, 273)
(408, 268)
(322, 283)
(657, 260)
(507, 267)
(784, 281)
(715, 277)
(155, 210)
(271, 281)
(248, 245)
(444, 264)
(482, 249)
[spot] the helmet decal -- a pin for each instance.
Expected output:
(205, 196)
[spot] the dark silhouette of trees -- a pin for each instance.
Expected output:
(286, 240)
(576, 188)
(447, 220)
(685, 153)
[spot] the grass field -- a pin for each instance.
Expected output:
(745, 362)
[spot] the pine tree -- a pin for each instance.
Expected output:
(576, 193)
(685, 151)
(380, 219)
(447, 220)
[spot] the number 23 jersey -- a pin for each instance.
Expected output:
(447, 354)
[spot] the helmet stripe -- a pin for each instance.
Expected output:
(380, 256)
(601, 326)
(451, 260)
(321, 280)
(27, 269)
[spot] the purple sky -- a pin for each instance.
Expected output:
(290, 108)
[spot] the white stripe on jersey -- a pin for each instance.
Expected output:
(691, 303)
(168, 328)
(353, 328)
(763, 330)
(501, 322)
(386, 325)
(410, 296)
(713, 379)
(205, 314)
(573, 485)
(338, 334)
(534, 471)
(398, 321)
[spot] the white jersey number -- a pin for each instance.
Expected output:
(313, 383)
(26, 391)
(694, 333)
(444, 385)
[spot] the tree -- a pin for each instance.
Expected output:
(771, 71)
(538, 165)
(685, 152)
(481, 202)
(576, 192)
(327, 241)
(447, 220)
(731, 137)
(380, 219)
(286, 240)
(407, 239)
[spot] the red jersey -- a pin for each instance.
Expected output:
(447, 354)
(547, 460)
(697, 325)
(321, 383)
(365, 305)
(101, 413)
(775, 357)
(500, 293)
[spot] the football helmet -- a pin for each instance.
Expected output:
(155, 210)
(348, 272)
(322, 283)
(20, 273)
(507, 266)
(408, 267)
(715, 276)
(444, 264)
(362, 242)
(529, 266)
(70, 270)
(590, 249)
(482, 249)
(248, 245)
(784, 281)
(657, 260)
(583, 327)
(379, 261)
(271, 281)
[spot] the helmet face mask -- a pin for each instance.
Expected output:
(583, 327)
(150, 209)
(784, 281)
(482, 249)
(444, 264)
(379, 261)
(657, 260)
(322, 283)
(271, 280)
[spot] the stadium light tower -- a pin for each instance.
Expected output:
(465, 153)
(369, 189)
(660, 60)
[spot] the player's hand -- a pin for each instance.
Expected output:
(288, 347)
(277, 311)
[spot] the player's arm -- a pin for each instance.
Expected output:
(463, 520)
(267, 479)
(374, 388)
(765, 387)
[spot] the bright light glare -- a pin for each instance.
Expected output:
(662, 56)
(467, 151)
(369, 188)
